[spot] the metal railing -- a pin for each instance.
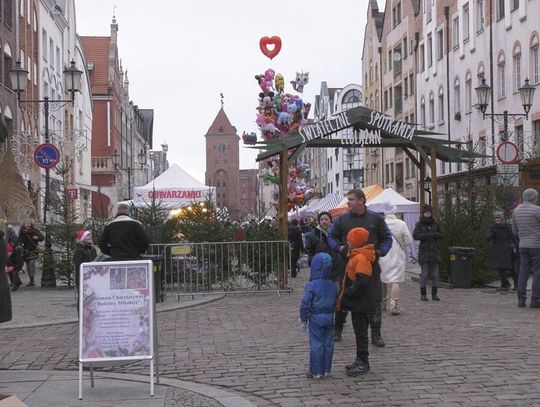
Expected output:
(189, 269)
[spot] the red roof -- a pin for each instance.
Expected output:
(97, 53)
(221, 125)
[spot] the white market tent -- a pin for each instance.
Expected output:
(174, 188)
(316, 206)
(409, 209)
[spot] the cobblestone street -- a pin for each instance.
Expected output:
(474, 348)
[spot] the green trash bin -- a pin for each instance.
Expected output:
(461, 266)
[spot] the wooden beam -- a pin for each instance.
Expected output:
(412, 157)
(434, 198)
(421, 182)
(282, 216)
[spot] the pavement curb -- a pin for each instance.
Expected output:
(194, 303)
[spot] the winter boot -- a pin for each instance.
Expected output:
(423, 295)
(31, 283)
(535, 302)
(358, 369)
(337, 334)
(394, 306)
(434, 295)
(354, 364)
(376, 338)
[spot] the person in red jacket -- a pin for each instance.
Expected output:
(358, 294)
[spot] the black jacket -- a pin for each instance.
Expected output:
(29, 240)
(297, 243)
(5, 294)
(429, 233)
(123, 239)
(317, 242)
(503, 242)
(82, 254)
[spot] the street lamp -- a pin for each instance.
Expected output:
(142, 162)
(483, 93)
(427, 188)
(72, 82)
(356, 174)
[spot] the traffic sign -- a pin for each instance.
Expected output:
(507, 168)
(72, 193)
(507, 152)
(46, 155)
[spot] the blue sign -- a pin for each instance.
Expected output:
(46, 155)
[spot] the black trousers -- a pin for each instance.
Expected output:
(374, 320)
(360, 324)
(294, 264)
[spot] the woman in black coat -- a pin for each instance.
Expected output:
(317, 242)
(503, 243)
(428, 232)
(5, 294)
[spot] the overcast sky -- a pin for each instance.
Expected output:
(181, 54)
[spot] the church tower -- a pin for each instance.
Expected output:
(223, 163)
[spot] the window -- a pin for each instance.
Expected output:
(405, 49)
(396, 15)
(536, 135)
(407, 168)
(390, 98)
(534, 60)
(57, 59)
(405, 87)
(457, 98)
(427, 8)
(482, 148)
(23, 8)
(397, 61)
(44, 43)
(431, 109)
(518, 137)
(387, 173)
(501, 76)
(441, 106)
(500, 9)
(455, 33)
(423, 112)
(391, 172)
(514, 5)
(440, 44)
(479, 15)
(8, 13)
(466, 22)
(422, 58)
(385, 100)
(377, 106)
(7, 63)
(390, 61)
(398, 102)
(429, 50)
(51, 53)
(468, 93)
(411, 84)
(376, 71)
(517, 68)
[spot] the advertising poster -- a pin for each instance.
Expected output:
(116, 311)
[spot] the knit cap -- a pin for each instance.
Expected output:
(82, 234)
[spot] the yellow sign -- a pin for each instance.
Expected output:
(180, 250)
(452, 257)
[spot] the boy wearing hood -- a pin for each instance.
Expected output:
(358, 294)
(317, 313)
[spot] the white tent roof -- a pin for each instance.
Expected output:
(402, 204)
(174, 188)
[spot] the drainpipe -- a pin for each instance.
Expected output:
(447, 17)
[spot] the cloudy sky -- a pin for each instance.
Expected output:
(180, 55)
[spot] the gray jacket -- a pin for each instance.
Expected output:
(526, 225)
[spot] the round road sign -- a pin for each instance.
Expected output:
(507, 152)
(46, 155)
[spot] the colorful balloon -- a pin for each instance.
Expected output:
(270, 46)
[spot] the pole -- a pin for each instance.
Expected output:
(505, 122)
(129, 182)
(48, 278)
(447, 18)
(283, 224)
(433, 195)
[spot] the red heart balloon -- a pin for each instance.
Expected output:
(269, 41)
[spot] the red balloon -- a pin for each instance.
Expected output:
(269, 41)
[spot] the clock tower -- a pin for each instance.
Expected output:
(223, 163)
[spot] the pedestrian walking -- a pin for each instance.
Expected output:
(317, 315)
(394, 263)
(29, 238)
(428, 232)
(526, 226)
(15, 264)
(503, 244)
(84, 252)
(297, 246)
(5, 295)
(358, 215)
(358, 294)
(123, 238)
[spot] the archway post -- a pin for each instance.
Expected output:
(283, 213)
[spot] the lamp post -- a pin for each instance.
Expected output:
(483, 93)
(72, 83)
(427, 188)
(356, 174)
(142, 161)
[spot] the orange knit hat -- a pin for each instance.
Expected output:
(357, 237)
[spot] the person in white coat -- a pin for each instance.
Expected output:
(393, 264)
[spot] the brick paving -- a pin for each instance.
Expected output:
(474, 348)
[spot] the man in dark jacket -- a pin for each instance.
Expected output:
(297, 246)
(5, 295)
(123, 238)
(503, 244)
(429, 233)
(359, 216)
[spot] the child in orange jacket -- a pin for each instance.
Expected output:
(358, 295)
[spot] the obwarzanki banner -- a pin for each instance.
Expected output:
(116, 311)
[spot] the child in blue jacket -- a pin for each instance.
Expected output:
(317, 311)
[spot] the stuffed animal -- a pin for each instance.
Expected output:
(279, 83)
(302, 79)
